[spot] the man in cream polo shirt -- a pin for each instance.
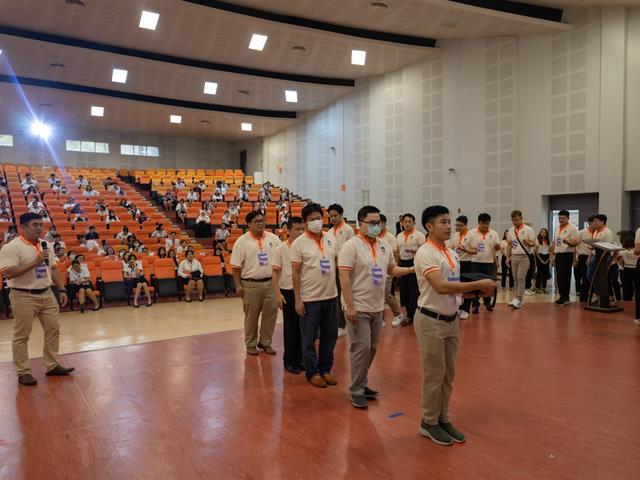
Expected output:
(436, 323)
(520, 240)
(562, 252)
(251, 266)
(342, 232)
(364, 263)
(389, 294)
(313, 269)
(30, 271)
(409, 241)
(484, 244)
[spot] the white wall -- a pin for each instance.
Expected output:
(516, 119)
(175, 152)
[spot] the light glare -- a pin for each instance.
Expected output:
(210, 88)
(175, 118)
(291, 96)
(40, 130)
(258, 42)
(246, 127)
(97, 111)
(149, 20)
(119, 75)
(358, 57)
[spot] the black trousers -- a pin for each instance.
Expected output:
(628, 276)
(637, 283)
(505, 271)
(564, 265)
(465, 267)
(291, 331)
(580, 272)
(614, 283)
(530, 273)
(409, 291)
(542, 271)
(342, 322)
(488, 269)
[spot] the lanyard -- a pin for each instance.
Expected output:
(337, 228)
(406, 236)
(517, 229)
(484, 235)
(597, 233)
(318, 243)
(258, 240)
(374, 253)
(444, 251)
(461, 237)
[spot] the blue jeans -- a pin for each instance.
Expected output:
(320, 318)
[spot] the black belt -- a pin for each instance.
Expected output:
(256, 280)
(438, 316)
(33, 291)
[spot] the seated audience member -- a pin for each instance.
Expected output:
(193, 196)
(169, 200)
(159, 232)
(90, 192)
(135, 281)
(69, 205)
(141, 218)
(61, 255)
(226, 218)
(111, 217)
(181, 210)
(123, 235)
(10, 234)
(92, 234)
(222, 233)
(46, 218)
(182, 247)
(35, 206)
(28, 182)
(180, 184)
(172, 255)
(80, 279)
(110, 254)
(135, 245)
(234, 210)
(81, 182)
(118, 191)
(78, 218)
(57, 240)
(162, 252)
(52, 180)
(49, 237)
(4, 217)
(172, 241)
(190, 271)
(217, 196)
(203, 225)
(4, 207)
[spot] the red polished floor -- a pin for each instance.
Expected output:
(543, 393)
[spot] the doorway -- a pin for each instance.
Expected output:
(243, 161)
(580, 206)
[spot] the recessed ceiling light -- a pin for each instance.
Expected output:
(205, 121)
(119, 75)
(451, 21)
(299, 48)
(380, 5)
(246, 127)
(149, 20)
(244, 92)
(210, 88)
(97, 111)
(77, 3)
(258, 42)
(57, 65)
(175, 118)
(358, 57)
(291, 96)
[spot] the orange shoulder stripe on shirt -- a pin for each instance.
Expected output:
(345, 268)
(429, 270)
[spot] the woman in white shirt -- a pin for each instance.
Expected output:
(192, 196)
(217, 195)
(190, 271)
(134, 279)
(111, 217)
(628, 260)
(80, 279)
(543, 272)
(90, 192)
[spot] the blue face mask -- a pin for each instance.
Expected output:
(373, 231)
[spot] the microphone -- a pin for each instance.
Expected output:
(45, 248)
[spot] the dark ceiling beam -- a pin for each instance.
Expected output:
(172, 59)
(71, 87)
(318, 25)
(517, 8)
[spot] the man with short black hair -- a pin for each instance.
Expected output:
(251, 266)
(562, 252)
(313, 266)
(484, 245)
(282, 283)
(582, 253)
(601, 233)
(30, 270)
(409, 241)
(342, 232)
(460, 243)
(436, 323)
(520, 240)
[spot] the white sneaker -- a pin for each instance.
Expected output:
(637, 321)
(342, 332)
(464, 315)
(529, 292)
(517, 304)
(397, 320)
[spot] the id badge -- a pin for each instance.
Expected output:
(514, 243)
(377, 274)
(41, 271)
(263, 259)
(480, 247)
(559, 242)
(325, 266)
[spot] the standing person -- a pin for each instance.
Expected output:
(282, 283)
(409, 241)
(364, 263)
(399, 225)
(520, 240)
(389, 291)
(251, 266)
(484, 245)
(313, 265)
(342, 232)
(628, 261)
(460, 243)
(581, 255)
(636, 250)
(30, 271)
(505, 270)
(542, 251)
(602, 233)
(438, 271)
(562, 253)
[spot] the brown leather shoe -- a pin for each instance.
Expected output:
(59, 371)
(329, 379)
(253, 351)
(27, 379)
(267, 349)
(317, 381)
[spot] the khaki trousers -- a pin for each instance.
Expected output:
(520, 266)
(364, 335)
(26, 307)
(390, 299)
(259, 297)
(438, 343)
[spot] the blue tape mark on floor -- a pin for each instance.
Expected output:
(395, 415)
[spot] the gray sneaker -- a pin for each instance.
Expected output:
(359, 401)
(455, 435)
(436, 434)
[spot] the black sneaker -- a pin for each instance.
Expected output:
(475, 308)
(293, 369)
(27, 379)
(436, 433)
(559, 301)
(455, 435)
(406, 322)
(488, 307)
(370, 393)
(565, 302)
(359, 401)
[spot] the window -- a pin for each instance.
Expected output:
(87, 146)
(140, 150)
(6, 140)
